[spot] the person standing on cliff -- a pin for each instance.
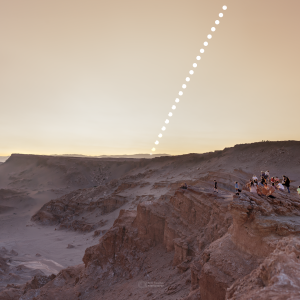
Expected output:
(216, 186)
(236, 188)
(267, 175)
(252, 187)
(286, 182)
(262, 181)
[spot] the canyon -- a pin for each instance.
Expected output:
(122, 228)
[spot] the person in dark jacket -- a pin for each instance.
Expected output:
(286, 182)
(262, 181)
(216, 186)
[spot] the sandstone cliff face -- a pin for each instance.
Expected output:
(259, 223)
(184, 222)
(200, 245)
(122, 251)
(276, 278)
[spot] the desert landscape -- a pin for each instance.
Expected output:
(149, 150)
(121, 228)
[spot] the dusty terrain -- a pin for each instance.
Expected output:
(116, 228)
(3, 158)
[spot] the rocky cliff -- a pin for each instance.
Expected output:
(162, 242)
(197, 245)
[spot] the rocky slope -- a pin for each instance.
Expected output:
(40, 172)
(196, 245)
(276, 278)
(80, 210)
(161, 242)
(37, 172)
(14, 274)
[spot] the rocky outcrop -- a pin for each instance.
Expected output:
(122, 250)
(276, 278)
(197, 244)
(26, 291)
(83, 209)
(118, 250)
(185, 222)
(217, 246)
(259, 223)
(69, 211)
(119, 254)
(13, 275)
(37, 282)
(218, 267)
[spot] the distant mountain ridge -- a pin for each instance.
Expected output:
(116, 156)
(137, 156)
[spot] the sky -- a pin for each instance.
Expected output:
(99, 77)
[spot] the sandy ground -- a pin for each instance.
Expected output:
(40, 247)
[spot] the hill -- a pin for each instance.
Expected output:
(149, 230)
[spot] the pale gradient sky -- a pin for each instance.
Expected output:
(99, 77)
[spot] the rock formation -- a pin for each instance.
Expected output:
(169, 243)
(223, 246)
(68, 211)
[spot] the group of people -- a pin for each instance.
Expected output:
(269, 183)
(266, 185)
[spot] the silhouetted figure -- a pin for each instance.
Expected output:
(215, 186)
(286, 182)
(262, 181)
(237, 190)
